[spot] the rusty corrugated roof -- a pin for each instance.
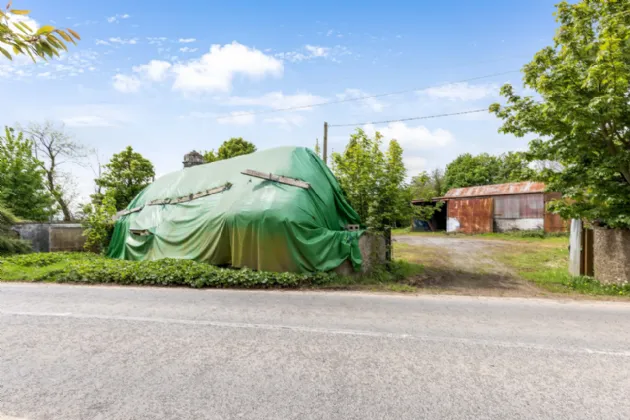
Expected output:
(497, 189)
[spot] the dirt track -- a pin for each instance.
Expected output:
(467, 266)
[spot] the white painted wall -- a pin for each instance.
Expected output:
(452, 224)
(506, 225)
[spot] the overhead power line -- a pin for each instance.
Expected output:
(425, 117)
(362, 98)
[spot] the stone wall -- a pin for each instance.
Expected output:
(611, 255)
(36, 233)
(52, 237)
(66, 237)
(373, 251)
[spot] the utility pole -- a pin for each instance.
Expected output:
(325, 155)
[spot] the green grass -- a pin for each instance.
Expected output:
(393, 277)
(528, 236)
(547, 266)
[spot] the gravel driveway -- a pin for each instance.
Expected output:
(464, 265)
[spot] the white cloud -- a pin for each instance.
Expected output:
(94, 115)
(186, 40)
(155, 70)
(286, 122)
(236, 118)
(371, 104)
(215, 70)
(413, 138)
(330, 32)
(462, 91)
(317, 51)
(101, 42)
(122, 41)
(45, 75)
(87, 121)
(414, 164)
(156, 40)
(126, 84)
(311, 52)
(116, 18)
(188, 50)
(277, 100)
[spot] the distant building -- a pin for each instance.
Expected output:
(494, 208)
(193, 158)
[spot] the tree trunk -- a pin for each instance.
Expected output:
(67, 215)
(50, 181)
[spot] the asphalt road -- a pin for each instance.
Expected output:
(140, 353)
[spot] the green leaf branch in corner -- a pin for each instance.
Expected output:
(19, 37)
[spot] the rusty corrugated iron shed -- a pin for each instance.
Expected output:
(497, 189)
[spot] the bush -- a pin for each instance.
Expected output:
(91, 268)
(10, 246)
(8, 243)
(44, 259)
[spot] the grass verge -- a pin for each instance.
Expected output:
(89, 268)
(527, 236)
(547, 265)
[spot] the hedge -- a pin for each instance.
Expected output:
(92, 268)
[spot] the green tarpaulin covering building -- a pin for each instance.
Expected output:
(215, 213)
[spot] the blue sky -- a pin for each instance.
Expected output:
(165, 77)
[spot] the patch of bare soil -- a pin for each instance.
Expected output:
(463, 266)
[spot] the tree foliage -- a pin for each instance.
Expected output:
(53, 147)
(98, 223)
(126, 174)
(9, 243)
(317, 149)
(484, 169)
(426, 186)
(22, 187)
(18, 37)
(233, 147)
(582, 117)
(374, 182)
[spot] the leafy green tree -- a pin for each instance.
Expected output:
(233, 147)
(126, 174)
(515, 167)
(98, 223)
(394, 195)
(22, 187)
(484, 169)
(426, 186)
(373, 181)
(18, 37)
(9, 244)
(468, 170)
(355, 170)
(317, 149)
(582, 115)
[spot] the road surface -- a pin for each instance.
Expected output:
(76, 352)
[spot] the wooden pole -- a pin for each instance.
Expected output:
(325, 154)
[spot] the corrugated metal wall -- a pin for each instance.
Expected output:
(519, 206)
(553, 222)
(470, 215)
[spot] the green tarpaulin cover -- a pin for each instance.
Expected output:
(253, 222)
